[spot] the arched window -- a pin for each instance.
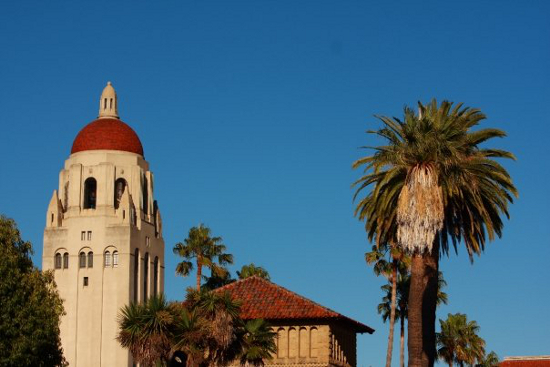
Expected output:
(82, 260)
(90, 191)
(115, 258)
(120, 186)
(313, 342)
(136, 277)
(155, 276)
(90, 259)
(282, 343)
(107, 259)
(66, 260)
(57, 261)
(145, 275)
(292, 343)
(303, 349)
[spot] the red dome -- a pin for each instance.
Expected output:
(108, 134)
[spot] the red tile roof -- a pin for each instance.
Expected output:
(108, 134)
(534, 361)
(263, 299)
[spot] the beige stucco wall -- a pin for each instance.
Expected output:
(313, 344)
(89, 328)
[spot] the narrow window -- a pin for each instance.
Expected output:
(85, 281)
(145, 195)
(115, 258)
(105, 104)
(120, 186)
(90, 188)
(83, 236)
(52, 217)
(58, 261)
(66, 260)
(89, 235)
(136, 277)
(82, 260)
(107, 259)
(145, 275)
(111, 104)
(147, 243)
(155, 276)
(90, 259)
(66, 197)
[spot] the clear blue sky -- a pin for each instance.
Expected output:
(251, 113)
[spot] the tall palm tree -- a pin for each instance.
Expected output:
(436, 184)
(398, 262)
(251, 270)
(458, 341)
(401, 314)
(206, 250)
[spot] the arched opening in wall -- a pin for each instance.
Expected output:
(156, 276)
(303, 342)
(115, 259)
(145, 275)
(120, 186)
(136, 274)
(57, 261)
(282, 343)
(313, 335)
(66, 260)
(292, 343)
(90, 191)
(90, 259)
(107, 259)
(82, 260)
(145, 195)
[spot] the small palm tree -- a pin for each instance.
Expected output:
(253, 270)
(434, 182)
(458, 341)
(489, 360)
(146, 330)
(206, 251)
(258, 343)
(390, 268)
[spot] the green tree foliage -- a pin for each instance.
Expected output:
(205, 330)
(253, 270)
(458, 341)
(205, 250)
(433, 185)
(30, 307)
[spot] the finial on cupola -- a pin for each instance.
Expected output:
(108, 105)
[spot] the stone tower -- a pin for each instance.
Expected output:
(103, 236)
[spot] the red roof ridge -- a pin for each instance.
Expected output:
(301, 307)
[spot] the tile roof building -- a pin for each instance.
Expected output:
(307, 333)
(530, 361)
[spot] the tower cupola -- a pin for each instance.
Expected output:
(108, 104)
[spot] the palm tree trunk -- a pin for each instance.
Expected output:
(199, 274)
(422, 306)
(402, 343)
(392, 313)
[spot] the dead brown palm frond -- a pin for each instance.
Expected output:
(419, 210)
